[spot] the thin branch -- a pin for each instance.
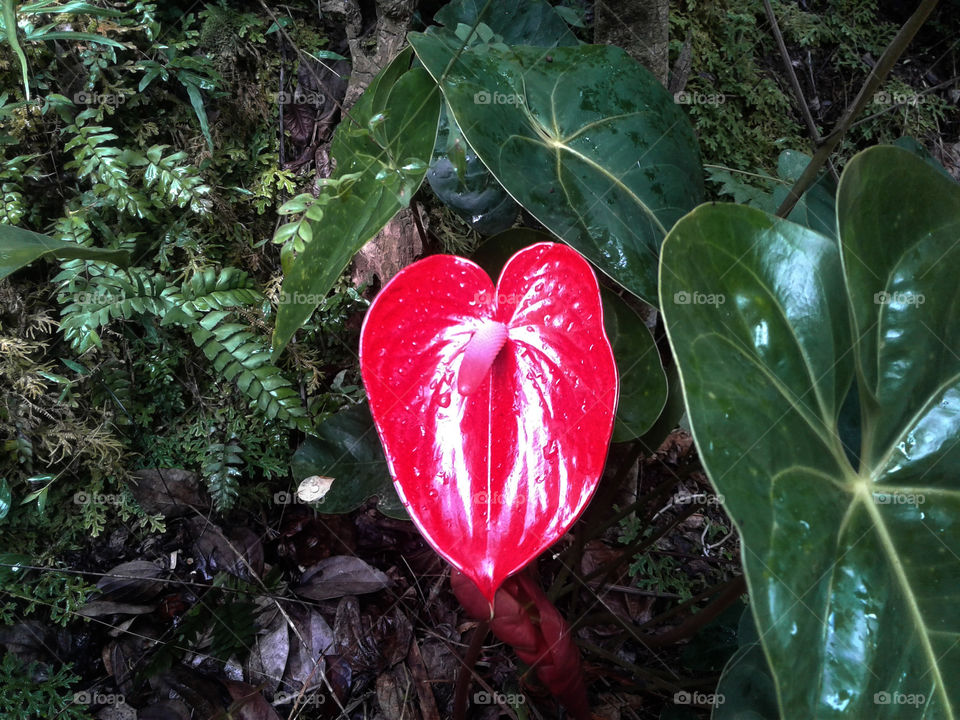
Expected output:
(876, 76)
(794, 83)
(466, 669)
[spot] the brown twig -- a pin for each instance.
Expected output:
(466, 670)
(876, 76)
(794, 83)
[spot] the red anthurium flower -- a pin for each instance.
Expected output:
(495, 406)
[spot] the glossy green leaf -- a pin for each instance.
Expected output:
(71, 36)
(457, 176)
(347, 449)
(70, 7)
(853, 571)
(8, 11)
(670, 417)
(746, 686)
(410, 104)
(643, 383)
(19, 248)
(583, 137)
(464, 184)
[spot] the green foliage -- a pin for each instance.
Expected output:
(112, 297)
(104, 165)
(235, 352)
(387, 149)
(815, 210)
(59, 594)
(735, 70)
(12, 174)
(181, 184)
(822, 393)
(541, 138)
(31, 692)
(221, 470)
(729, 81)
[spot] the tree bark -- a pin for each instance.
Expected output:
(638, 26)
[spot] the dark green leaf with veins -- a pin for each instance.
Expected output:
(583, 137)
(853, 571)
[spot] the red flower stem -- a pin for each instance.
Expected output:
(525, 619)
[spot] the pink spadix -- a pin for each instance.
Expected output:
(479, 354)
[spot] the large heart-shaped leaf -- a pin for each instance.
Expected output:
(457, 176)
(583, 137)
(495, 405)
(853, 571)
(387, 142)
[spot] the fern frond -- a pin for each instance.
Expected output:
(12, 171)
(204, 305)
(108, 298)
(207, 291)
(181, 184)
(106, 166)
(244, 358)
(222, 472)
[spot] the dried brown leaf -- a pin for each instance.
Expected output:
(341, 575)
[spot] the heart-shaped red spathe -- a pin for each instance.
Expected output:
(495, 406)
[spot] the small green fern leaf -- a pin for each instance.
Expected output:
(204, 306)
(221, 470)
(108, 298)
(207, 291)
(181, 184)
(104, 165)
(244, 358)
